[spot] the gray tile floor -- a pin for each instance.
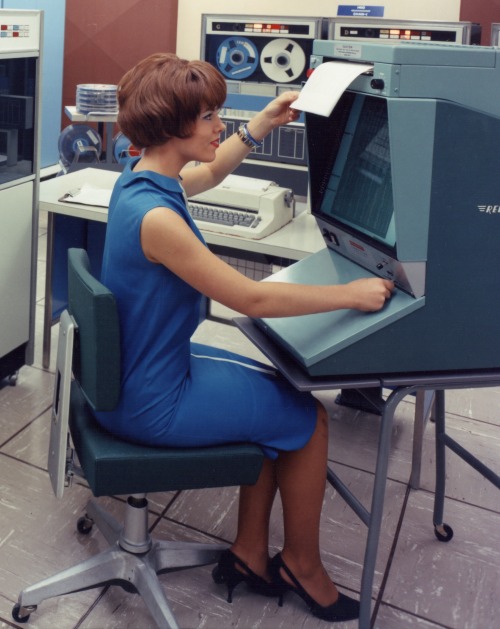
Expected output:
(419, 581)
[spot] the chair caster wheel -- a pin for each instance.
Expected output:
(443, 532)
(84, 525)
(12, 379)
(22, 614)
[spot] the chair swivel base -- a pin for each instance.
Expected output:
(134, 571)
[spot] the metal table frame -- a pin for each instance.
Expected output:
(430, 389)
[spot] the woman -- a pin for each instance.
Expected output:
(178, 393)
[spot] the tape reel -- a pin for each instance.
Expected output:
(123, 149)
(237, 58)
(79, 143)
(282, 60)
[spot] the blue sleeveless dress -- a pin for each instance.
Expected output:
(175, 392)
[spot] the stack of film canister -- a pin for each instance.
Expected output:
(96, 98)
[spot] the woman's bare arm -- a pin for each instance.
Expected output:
(233, 151)
(168, 240)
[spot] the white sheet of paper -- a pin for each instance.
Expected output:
(88, 195)
(326, 85)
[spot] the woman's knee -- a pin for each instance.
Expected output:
(321, 419)
(321, 413)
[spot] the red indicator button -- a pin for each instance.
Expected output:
(356, 245)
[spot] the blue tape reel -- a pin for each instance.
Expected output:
(237, 58)
(123, 149)
(79, 143)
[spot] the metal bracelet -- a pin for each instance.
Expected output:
(247, 138)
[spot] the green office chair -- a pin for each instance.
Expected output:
(89, 346)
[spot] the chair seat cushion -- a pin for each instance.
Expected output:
(116, 467)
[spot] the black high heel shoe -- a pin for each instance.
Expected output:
(344, 608)
(226, 572)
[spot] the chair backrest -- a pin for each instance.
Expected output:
(96, 362)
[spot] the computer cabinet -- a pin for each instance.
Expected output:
(16, 276)
(19, 178)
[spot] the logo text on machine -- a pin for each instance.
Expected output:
(489, 209)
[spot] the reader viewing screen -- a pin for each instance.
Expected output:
(353, 153)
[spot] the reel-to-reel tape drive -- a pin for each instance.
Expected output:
(259, 56)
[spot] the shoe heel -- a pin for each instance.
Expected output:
(226, 572)
(230, 579)
(230, 589)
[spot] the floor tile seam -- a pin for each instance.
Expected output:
(8, 623)
(450, 414)
(487, 422)
(435, 623)
(100, 595)
(39, 367)
(23, 428)
(392, 553)
(195, 529)
(430, 492)
(367, 471)
(458, 501)
(162, 512)
(31, 465)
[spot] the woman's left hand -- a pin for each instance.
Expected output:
(278, 112)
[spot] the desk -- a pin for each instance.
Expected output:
(294, 241)
(401, 385)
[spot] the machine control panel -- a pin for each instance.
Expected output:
(19, 31)
(408, 277)
(255, 51)
(390, 31)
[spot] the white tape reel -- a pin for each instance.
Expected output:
(282, 60)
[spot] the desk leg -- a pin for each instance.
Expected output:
(444, 532)
(424, 402)
(377, 506)
(109, 142)
(47, 312)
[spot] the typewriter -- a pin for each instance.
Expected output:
(244, 207)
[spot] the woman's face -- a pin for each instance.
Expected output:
(205, 138)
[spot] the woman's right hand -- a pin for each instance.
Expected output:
(370, 294)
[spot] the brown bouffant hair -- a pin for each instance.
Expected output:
(162, 96)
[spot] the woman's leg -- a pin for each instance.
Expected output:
(301, 477)
(256, 501)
